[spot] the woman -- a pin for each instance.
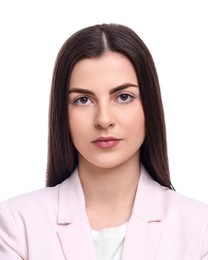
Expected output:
(109, 192)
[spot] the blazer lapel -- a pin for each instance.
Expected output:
(76, 241)
(145, 225)
(142, 240)
(75, 234)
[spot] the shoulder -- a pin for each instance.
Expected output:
(176, 202)
(171, 201)
(23, 214)
(31, 199)
(45, 201)
(32, 216)
(187, 217)
(32, 205)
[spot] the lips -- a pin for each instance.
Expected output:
(106, 142)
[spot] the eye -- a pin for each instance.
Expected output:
(124, 98)
(82, 101)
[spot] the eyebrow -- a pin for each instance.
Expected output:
(112, 91)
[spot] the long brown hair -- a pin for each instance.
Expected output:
(90, 42)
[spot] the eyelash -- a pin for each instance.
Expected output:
(130, 98)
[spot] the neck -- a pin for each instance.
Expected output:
(108, 191)
(108, 181)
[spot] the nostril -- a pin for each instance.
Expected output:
(103, 124)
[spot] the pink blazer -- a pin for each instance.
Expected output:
(51, 224)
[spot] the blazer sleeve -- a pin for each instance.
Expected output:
(205, 245)
(10, 236)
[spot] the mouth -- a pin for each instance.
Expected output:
(106, 142)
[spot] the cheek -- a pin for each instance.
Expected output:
(136, 126)
(74, 118)
(78, 124)
(135, 118)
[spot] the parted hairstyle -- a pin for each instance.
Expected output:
(92, 42)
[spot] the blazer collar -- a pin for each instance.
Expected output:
(145, 224)
(143, 230)
(149, 200)
(75, 233)
(71, 200)
(148, 205)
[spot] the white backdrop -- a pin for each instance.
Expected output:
(31, 33)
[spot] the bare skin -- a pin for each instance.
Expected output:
(109, 195)
(105, 103)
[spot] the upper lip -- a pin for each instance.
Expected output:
(105, 139)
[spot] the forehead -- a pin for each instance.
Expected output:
(111, 69)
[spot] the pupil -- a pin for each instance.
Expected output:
(84, 99)
(123, 96)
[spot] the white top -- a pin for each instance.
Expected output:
(109, 242)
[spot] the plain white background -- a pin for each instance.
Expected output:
(32, 32)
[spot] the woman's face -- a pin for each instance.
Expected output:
(106, 117)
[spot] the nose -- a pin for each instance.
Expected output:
(104, 117)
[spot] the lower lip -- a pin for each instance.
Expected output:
(106, 144)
